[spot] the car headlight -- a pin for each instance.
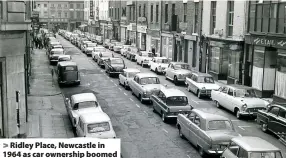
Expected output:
(203, 88)
(159, 67)
(180, 76)
(268, 106)
(243, 108)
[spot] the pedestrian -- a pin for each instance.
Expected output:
(153, 52)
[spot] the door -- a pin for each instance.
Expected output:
(229, 100)
(222, 95)
(162, 108)
(157, 100)
(186, 129)
(80, 128)
(273, 118)
(194, 129)
(192, 82)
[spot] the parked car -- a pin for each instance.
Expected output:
(144, 57)
(106, 43)
(178, 71)
(103, 57)
(84, 45)
(52, 46)
(125, 49)
(64, 58)
(159, 64)
(144, 85)
(68, 73)
(54, 55)
(274, 120)
(211, 133)
(99, 40)
(132, 54)
(114, 66)
(95, 125)
(96, 51)
(117, 47)
(111, 44)
(251, 147)
(80, 42)
(82, 103)
(89, 48)
(201, 84)
(170, 102)
(126, 76)
(241, 100)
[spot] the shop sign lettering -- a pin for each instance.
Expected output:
(269, 42)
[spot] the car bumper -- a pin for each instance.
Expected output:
(181, 79)
(69, 82)
(214, 152)
(206, 93)
(115, 72)
(54, 60)
(252, 114)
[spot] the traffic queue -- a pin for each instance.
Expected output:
(212, 134)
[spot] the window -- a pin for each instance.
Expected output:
(78, 14)
(230, 8)
(265, 16)
(274, 110)
(130, 11)
(134, 13)
(242, 153)
(151, 15)
(71, 5)
(166, 13)
(234, 58)
(173, 9)
(224, 90)
(144, 10)
(196, 19)
(1, 10)
(123, 11)
(213, 17)
(140, 11)
(157, 13)
(71, 15)
(59, 6)
(185, 12)
(197, 121)
(45, 5)
(230, 92)
(118, 13)
(233, 148)
(77, 5)
(66, 5)
(162, 96)
(282, 113)
(191, 116)
(53, 5)
(66, 14)
(273, 17)
(59, 14)
(177, 101)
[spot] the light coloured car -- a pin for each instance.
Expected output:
(159, 64)
(241, 100)
(89, 48)
(84, 45)
(96, 51)
(82, 103)
(64, 58)
(99, 40)
(169, 102)
(54, 55)
(251, 147)
(143, 58)
(178, 71)
(126, 76)
(125, 49)
(201, 84)
(111, 44)
(95, 125)
(117, 47)
(144, 85)
(102, 57)
(211, 133)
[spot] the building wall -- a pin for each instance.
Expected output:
(86, 10)
(42, 7)
(103, 9)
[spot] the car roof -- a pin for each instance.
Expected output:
(62, 56)
(236, 86)
(95, 117)
(58, 45)
(142, 75)
(202, 74)
(99, 47)
(57, 49)
(254, 144)
(55, 42)
(178, 63)
(67, 63)
(86, 41)
(131, 70)
(82, 97)
(208, 116)
(145, 52)
(170, 92)
(160, 57)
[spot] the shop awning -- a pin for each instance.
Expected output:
(83, 25)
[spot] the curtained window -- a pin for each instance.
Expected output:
(233, 69)
(280, 86)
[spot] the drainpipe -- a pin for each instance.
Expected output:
(136, 24)
(161, 22)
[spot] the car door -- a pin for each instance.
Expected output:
(186, 129)
(121, 77)
(156, 100)
(162, 106)
(194, 128)
(80, 128)
(280, 129)
(222, 95)
(169, 70)
(229, 99)
(273, 118)
(192, 85)
(231, 151)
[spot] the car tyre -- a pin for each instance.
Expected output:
(188, 88)
(199, 94)
(154, 109)
(175, 80)
(163, 117)
(201, 152)
(180, 133)
(156, 71)
(119, 82)
(125, 86)
(237, 115)
(142, 64)
(140, 98)
(217, 104)
(264, 127)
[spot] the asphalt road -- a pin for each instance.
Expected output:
(142, 132)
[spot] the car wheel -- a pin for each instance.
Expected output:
(217, 104)
(264, 127)
(156, 71)
(154, 109)
(142, 64)
(163, 117)
(175, 80)
(125, 86)
(119, 82)
(199, 94)
(201, 151)
(188, 88)
(140, 98)
(180, 133)
(237, 114)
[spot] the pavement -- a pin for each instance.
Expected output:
(47, 117)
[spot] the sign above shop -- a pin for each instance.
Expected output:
(131, 27)
(142, 19)
(142, 29)
(266, 41)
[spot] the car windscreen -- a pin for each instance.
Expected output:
(182, 66)
(245, 93)
(163, 61)
(70, 68)
(203, 79)
(149, 80)
(86, 104)
(91, 45)
(57, 52)
(219, 125)
(177, 101)
(64, 59)
(271, 154)
(98, 127)
(116, 61)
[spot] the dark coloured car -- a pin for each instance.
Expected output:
(114, 66)
(274, 120)
(68, 73)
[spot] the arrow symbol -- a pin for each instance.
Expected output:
(5, 145)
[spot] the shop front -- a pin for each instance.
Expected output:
(268, 65)
(103, 32)
(123, 31)
(142, 31)
(225, 60)
(131, 29)
(189, 50)
(116, 28)
(109, 33)
(153, 41)
(167, 45)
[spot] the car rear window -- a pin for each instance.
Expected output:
(177, 101)
(98, 127)
(70, 68)
(219, 125)
(266, 154)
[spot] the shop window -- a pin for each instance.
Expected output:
(280, 85)
(214, 59)
(234, 58)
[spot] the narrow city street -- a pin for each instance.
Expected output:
(142, 132)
